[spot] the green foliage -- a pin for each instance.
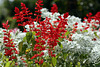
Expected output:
(67, 33)
(85, 31)
(27, 48)
(37, 65)
(95, 33)
(45, 64)
(6, 62)
(0, 55)
(61, 46)
(65, 55)
(20, 46)
(28, 37)
(54, 61)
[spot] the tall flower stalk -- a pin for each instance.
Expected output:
(10, 49)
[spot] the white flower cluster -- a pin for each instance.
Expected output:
(82, 42)
(46, 13)
(17, 36)
(1, 36)
(72, 20)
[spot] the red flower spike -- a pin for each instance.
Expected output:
(86, 28)
(41, 61)
(16, 10)
(23, 5)
(5, 25)
(36, 55)
(45, 31)
(38, 12)
(54, 8)
(9, 51)
(66, 15)
(23, 17)
(36, 61)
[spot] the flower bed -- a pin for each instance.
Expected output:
(50, 40)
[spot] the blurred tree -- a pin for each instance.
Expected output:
(11, 4)
(87, 6)
(3, 13)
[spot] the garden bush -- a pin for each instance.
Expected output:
(50, 39)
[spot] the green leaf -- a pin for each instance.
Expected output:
(66, 34)
(24, 47)
(78, 64)
(54, 61)
(33, 41)
(20, 46)
(17, 65)
(71, 64)
(61, 46)
(0, 55)
(85, 31)
(7, 59)
(60, 39)
(24, 39)
(95, 33)
(65, 55)
(37, 65)
(45, 64)
(59, 43)
(33, 32)
(28, 36)
(8, 64)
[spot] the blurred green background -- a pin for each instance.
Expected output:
(79, 8)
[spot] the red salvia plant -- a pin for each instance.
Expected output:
(88, 22)
(47, 35)
(9, 45)
(39, 46)
(38, 12)
(50, 33)
(45, 32)
(23, 17)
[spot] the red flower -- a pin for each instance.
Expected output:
(16, 10)
(9, 51)
(76, 23)
(86, 28)
(66, 15)
(36, 55)
(23, 16)
(38, 12)
(5, 25)
(41, 61)
(36, 61)
(54, 8)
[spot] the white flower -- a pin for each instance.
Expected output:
(27, 27)
(43, 10)
(45, 53)
(95, 54)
